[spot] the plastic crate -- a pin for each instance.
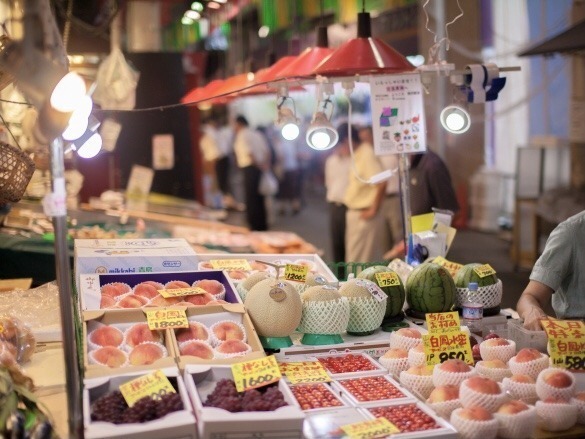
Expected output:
(526, 338)
(497, 324)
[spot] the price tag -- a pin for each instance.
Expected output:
(484, 270)
(166, 318)
(374, 289)
(308, 372)
(296, 273)
(387, 279)
(177, 292)
(566, 340)
(442, 347)
(154, 385)
(230, 264)
(402, 268)
(255, 373)
(452, 267)
(443, 322)
(379, 427)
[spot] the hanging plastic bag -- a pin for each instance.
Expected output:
(268, 185)
(116, 82)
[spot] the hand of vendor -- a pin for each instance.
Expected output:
(532, 301)
(532, 319)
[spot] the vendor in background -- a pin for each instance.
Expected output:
(558, 276)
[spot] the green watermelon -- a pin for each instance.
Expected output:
(467, 274)
(396, 293)
(430, 288)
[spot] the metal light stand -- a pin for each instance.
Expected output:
(403, 176)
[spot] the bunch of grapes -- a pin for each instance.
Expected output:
(225, 396)
(112, 407)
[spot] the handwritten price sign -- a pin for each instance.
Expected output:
(309, 372)
(566, 339)
(379, 427)
(178, 292)
(153, 385)
(442, 347)
(230, 264)
(484, 270)
(443, 322)
(296, 273)
(255, 373)
(166, 318)
(452, 267)
(387, 279)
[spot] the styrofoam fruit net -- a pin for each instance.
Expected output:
(92, 345)
(443, 377)
(394, 365)
(556, 416)
(495, 373)
(532, 368)
(421, 384)
(366, 314)
(545, 390)
(580, 409)
(472, 429)
(400, 341)
(325, 317)
(503, 353)
(519, 425)
(216, 341)
(222, 355)
(445, 408)
(490, 296)
(488, 401)
(416, 358)
(523, 391)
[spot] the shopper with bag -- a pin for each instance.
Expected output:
(253, 158)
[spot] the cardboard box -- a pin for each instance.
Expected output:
(90, 284)
(177, 425)
(212, 314)
(122, 319)
(132, 256)
(282, 423)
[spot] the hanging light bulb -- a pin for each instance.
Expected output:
(287, 118)
(68, 92)
(89, 144)
(321, 135)
(455, 119)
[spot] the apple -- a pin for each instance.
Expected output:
(557, 378)
(407, 332)
(495, 342)
(494, 364)
(454, 365)
(443, 393)
(475, 352)
(483, 385)
(522, 378)
(475, 413)
(491, 335)
(525, 355)
(396, 353)
(420, 370)
(512, 407)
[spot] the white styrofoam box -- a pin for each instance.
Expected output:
(326, 388)
(132, 256)
(444, 431)
(283, 423)
(90, 285)
(327, 423)
(377, 368)
(177, 425)
(407, 396)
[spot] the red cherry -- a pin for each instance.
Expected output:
(491, 335)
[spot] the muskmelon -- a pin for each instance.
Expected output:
(430, 288)
(311, 280)
(366, 312)
(275, 308)
(396, 293)
(467, 274)
(325, 311)
(250, 281)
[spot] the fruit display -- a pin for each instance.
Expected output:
(405, 338)
(396, 293)
(349, 363)
(467, 274)
(225, 396)
(483, 392)
(395, 360)
(497, 348)
(244, 286)
(489, 287)
(430, 288)
(315, 396)
(406, 417)
(366, 312)
(368, 389)
(325, 312)
(474, 422)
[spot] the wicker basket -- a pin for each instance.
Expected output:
(16, 170)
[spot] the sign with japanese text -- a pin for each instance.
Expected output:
(296, 273)
(402, 268)
(373, 289)
(442, 347)
(166, 318)
(398, 119)
(177, 292)
(443, 322)
(255, 373)
(307, 372)
(484, 270)
(452, 267)
(566, 341)
(387, 279)
(379, 427)
(230, 264)
(153, 385)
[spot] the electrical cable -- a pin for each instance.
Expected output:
(8, 128)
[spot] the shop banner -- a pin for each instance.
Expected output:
(398, 119)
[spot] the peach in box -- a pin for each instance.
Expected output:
(146, 353)
(109, 356)
(195, 331)
(148, 289)
(212, 286)
(226, 330)
(140, 333)
(474, 422)
(475, 413)
(196, 348)
(199, 299)
(233, 347)
(444, 393)
(106, 336)
(512, 407)
(132, 301)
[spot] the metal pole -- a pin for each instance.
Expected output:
(403, 175)
(66, 301)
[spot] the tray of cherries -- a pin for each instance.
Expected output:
(350, 365)
(313, 396)
(373, 390)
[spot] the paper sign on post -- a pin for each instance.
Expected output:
(387, 279)
(153, 385)
(452, 267)
(375, 428)
(442, 347)
(484, 270)
(230, 264)
(309, 372)
(566, 339)
(296, 273)
(443, 322)
(166, 318)
(178, 292)
(255, 373)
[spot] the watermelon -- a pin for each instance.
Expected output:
(467, 274)
(396, 293)
(430, 288)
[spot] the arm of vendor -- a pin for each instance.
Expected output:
(558, 277)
